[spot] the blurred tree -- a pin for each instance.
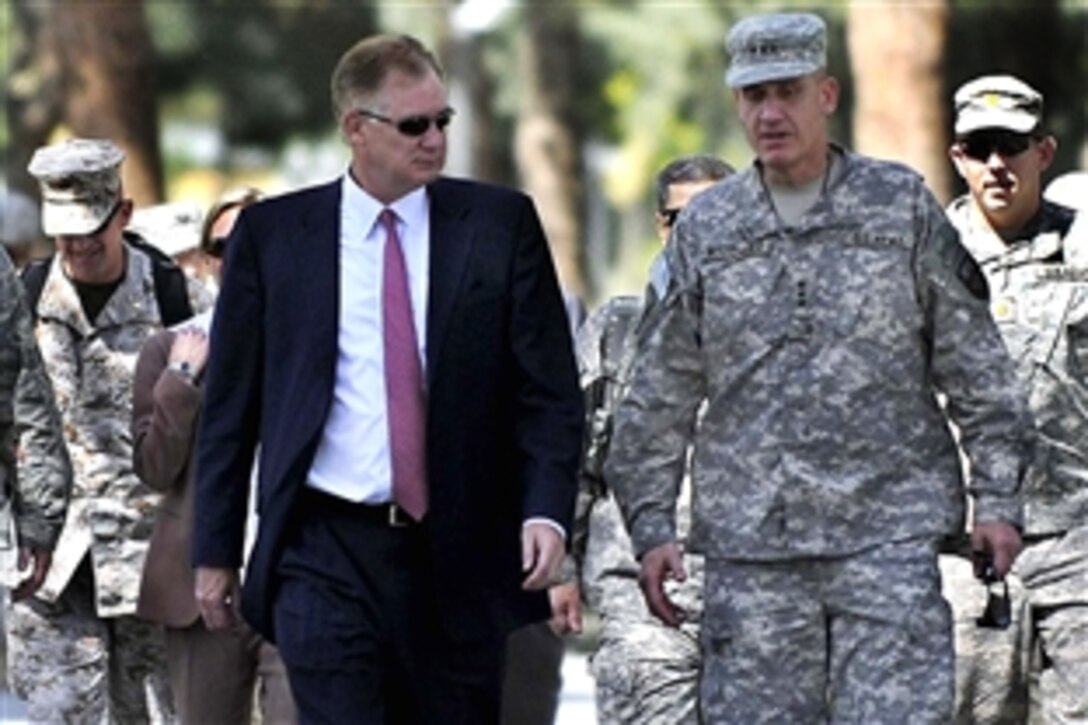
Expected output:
(88, 66)
(549, 138)
(896, 55)
(266, 63)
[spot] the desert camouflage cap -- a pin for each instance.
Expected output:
(81, 184)
(19, 218)
(766, 48)
(997, 101)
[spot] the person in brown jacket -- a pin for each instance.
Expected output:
(213, 674)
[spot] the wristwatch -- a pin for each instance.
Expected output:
(184, 369)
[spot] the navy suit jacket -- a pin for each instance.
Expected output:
(504, 409)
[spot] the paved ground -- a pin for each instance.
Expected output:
(575, 707)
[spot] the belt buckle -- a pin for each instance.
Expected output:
(398, 518)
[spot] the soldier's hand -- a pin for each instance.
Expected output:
(566, 600)
(217, 597)
(38, 561)
(542, 552)
(658, 564)
(998, 542)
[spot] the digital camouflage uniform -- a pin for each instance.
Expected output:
(1039, 299)
(644, 671)
(824, 470)
(77, 649)
(34, 490)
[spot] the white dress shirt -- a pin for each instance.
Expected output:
(353, 458)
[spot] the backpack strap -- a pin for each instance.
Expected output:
(33, 277)
(171, 289)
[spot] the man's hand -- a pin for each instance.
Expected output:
(566, 602)
(658, 564)
(217, 597)
(541, 555)
(999, 542)
(38, 561)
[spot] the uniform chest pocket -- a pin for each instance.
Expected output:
(747, 304)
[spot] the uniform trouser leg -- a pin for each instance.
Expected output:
(646, 673)
(859, 639)
(991, 664)
(72, 666)
(139, 683)
(891, 656)
(58, 660)
(1062, 695)
(1055, 576)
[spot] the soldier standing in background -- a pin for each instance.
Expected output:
(644, 671)
(78, 651)
(1038, 276)
(818, 300)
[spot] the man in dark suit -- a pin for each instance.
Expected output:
(413, 507)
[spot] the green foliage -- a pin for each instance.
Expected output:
(257, 69)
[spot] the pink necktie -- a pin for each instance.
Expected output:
(403, 379)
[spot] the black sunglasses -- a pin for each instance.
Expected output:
(668, 216)
(979, 146)
(413, 125)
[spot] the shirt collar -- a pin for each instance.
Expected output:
(411, 209)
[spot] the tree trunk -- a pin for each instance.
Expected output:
(896, 55)
(547, 141)
(107, 62)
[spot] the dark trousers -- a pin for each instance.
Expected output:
(532, 682)
(357, 625)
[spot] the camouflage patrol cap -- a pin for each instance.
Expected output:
(81, 184)
(766, 48)
(997, 102)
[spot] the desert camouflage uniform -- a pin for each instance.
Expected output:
(644, 671)
(1039, 299)
(35, 497)
(80, 636)
(824, 469)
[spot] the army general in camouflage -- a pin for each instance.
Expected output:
(644, 672)
(819, 301)
(1034, 259)
(34, 485)
(78, 651)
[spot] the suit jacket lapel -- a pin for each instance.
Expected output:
(316, 256)
(450, 244)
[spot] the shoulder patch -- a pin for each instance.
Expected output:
(956, 258)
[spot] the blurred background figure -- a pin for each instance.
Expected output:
(21, 227)
(644, 671)
(174, 228)
(1070, 189)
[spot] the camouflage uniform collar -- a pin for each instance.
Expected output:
(132, 301)
(825, 212)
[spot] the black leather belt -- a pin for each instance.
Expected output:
(387, 514)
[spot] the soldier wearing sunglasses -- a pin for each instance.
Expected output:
(1027, 248)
